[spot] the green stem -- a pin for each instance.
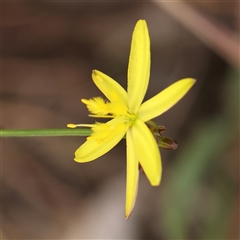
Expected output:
(57, 132)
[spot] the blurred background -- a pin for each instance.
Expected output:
(48, 52)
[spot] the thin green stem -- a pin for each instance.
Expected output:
(57, 132)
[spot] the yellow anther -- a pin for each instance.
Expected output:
(71, 125)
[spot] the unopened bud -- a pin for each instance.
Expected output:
(167, 143)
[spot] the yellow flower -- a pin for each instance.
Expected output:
(129, 116)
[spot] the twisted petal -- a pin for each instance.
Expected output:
(147, 152)
(100, 143)
(165, 99)
(109, 87)
(132, 175)
(139, 66)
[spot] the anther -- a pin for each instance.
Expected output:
(71, 125)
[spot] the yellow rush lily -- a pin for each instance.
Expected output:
(129, 116)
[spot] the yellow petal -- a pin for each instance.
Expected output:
(100, 143)
(165, 99)
(132, 175)
(109, 87)
(139, 66)
(147, 152)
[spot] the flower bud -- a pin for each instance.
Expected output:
(167, 143)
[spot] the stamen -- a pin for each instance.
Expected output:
(101, 116)
(72, 125)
